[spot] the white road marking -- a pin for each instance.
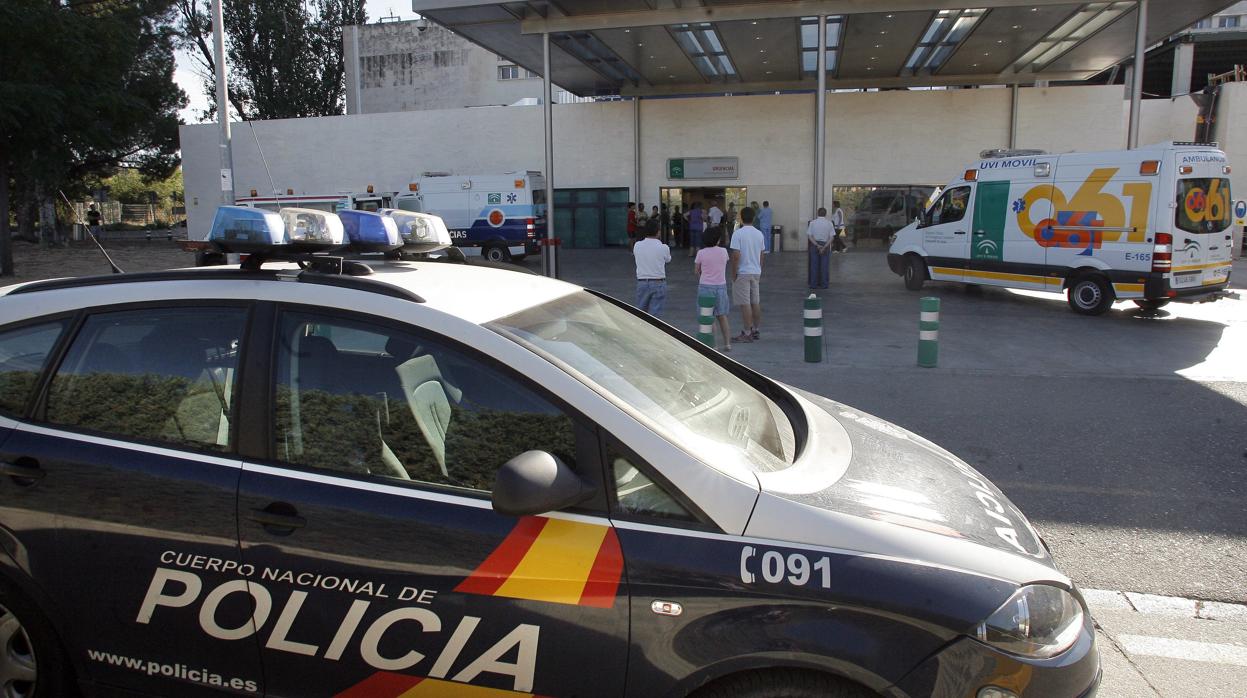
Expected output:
(1152, 604)
(1184, 649)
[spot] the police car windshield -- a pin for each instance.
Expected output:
(695, 403)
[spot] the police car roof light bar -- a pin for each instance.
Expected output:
(319, 263)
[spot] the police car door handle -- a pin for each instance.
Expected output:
(276, 519)
(22, 474)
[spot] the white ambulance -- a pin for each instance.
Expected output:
(498, 216)
(1149, 225)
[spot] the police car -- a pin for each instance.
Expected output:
(319, 478)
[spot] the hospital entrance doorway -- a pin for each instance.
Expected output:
(685, 197)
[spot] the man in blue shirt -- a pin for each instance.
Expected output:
(764, 224)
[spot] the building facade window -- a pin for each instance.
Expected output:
(508, 72)
(1231, 21)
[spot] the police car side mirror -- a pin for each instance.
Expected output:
(535, 482)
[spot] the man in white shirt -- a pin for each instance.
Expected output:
(715, 214)
(747, 245)
(820, 234)
(837, 221)
(651, 273)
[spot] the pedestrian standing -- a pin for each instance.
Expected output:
(837, 221)
(665, 218)
(641, 218)
(711, 269)
(715, 214)
(651, 272)
(653, 224)
(764, 223)
(631, 223)
(819, 235)
(729, 220)
(678, 228)
(696, 225)
(747, 277)
(93, 221)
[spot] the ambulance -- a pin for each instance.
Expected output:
(500, 217)
(1148, 225)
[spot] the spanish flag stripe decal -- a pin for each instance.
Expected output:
(432, 688)
(382, 683)
(604, 577)
(502, 561)
(558, 564)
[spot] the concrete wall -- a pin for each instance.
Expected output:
(894, 137)
(400, 68)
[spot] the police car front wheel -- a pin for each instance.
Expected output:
(32, 664)
(1090, 295)
(496, 253)
(783, 683)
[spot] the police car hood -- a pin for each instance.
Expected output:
(899, 495)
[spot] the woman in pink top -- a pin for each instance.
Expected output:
(711, 267)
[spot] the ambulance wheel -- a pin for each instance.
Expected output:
(782, 683)
(32, 663)
(1152, 303)
(1090, 295)
(915, 272)
(496, 253)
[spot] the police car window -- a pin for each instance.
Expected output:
(637, 494)
(361, 398)
(693, 401)
(23, 353)
(162, 374)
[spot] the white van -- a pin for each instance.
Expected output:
(498, 216)
(1148, 225)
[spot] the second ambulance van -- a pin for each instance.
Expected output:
(1148, 225)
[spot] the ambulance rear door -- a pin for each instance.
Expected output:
(1201, 220)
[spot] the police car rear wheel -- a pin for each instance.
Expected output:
(783, 683)
(1090, 295)
(497, 253)
(915, 273)
(32, 664)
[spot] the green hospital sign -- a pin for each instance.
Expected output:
(703, 168)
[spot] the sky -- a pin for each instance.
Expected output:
(192, 84)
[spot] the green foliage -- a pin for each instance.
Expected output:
(284, 56)
(86, 85)
(130, 186)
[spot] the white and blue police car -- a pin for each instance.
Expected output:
(428, 479)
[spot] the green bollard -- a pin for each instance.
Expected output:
(813, 329)
(705, 320)
(929, 332)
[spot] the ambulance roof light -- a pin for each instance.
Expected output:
(1149, 167)
(1043, 169)
(253, 192)
(971, 175)
(1185, 169)
(519, 184)
(1225, 169)
(414, 186)
(369, 188)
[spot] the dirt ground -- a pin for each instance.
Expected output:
(32, 262)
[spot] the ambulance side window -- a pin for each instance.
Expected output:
(637, 494)
(950, 208)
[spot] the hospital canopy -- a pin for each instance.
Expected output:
(654, 47)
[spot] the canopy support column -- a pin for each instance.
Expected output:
(549, 260)
(1136, 75)
(820, 118)
(1013, 116)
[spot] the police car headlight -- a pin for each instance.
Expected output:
(1038, 621)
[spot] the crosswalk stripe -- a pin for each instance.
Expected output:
(1184, 649)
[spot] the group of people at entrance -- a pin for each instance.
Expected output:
(686, 228)
(718, 260)
(727, 259)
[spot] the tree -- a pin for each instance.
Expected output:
(284, 56)
(85, 85)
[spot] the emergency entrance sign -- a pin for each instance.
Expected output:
(703, 168)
